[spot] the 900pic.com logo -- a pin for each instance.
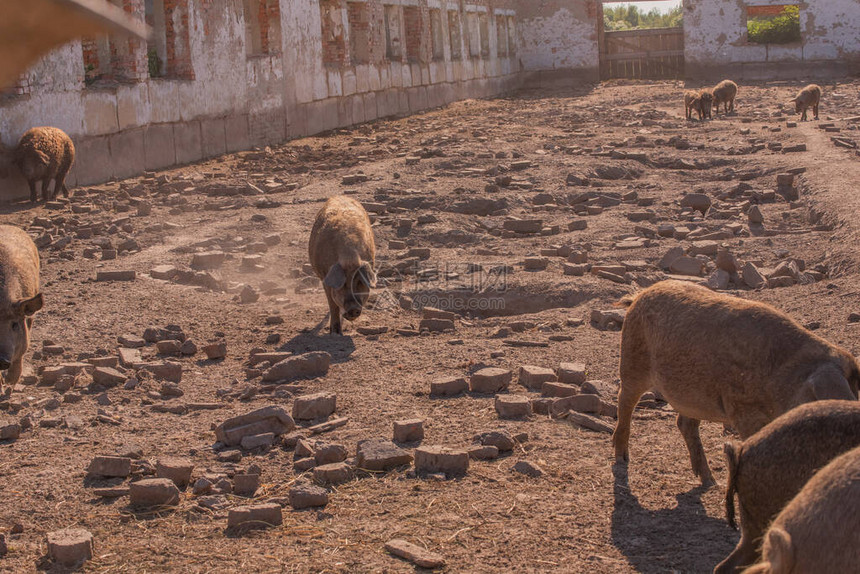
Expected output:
(460, 288)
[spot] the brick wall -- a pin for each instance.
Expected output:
(178, 42)
(331, 22)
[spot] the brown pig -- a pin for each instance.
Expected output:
(45, 154)
(342, 253)
(819, 530)
(692, 101)
(809, 96)
(19, 298)
(724, 93)
(768, 469)
(706, 102)
(724, 359)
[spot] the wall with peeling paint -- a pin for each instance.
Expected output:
(559, 40)
(715, 36)
(226, 100)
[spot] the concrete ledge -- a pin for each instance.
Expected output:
(158, 147)
(127, 156)
(188, 143)
(236, 133)
(561, 78)
(213, 137)
(764, 71)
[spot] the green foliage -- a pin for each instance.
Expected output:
(632, 18)
(154, 63)
(782, 29)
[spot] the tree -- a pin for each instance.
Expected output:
(631, 18)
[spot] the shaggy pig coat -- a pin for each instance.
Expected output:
(45, 154)
(342, 252)
(721, 358)
(19, 298)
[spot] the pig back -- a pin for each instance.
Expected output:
(341, 233)
(19, 265)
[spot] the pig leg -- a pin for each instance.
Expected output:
(690, 431)
(334, 311)
(815, 110)
(742, 556)
(627, 399)
(14, 372)
(32, 184)
(45, 193)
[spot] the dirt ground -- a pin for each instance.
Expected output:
(427, 180)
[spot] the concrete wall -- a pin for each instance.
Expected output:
(559, 41)
(216, 98)
(715, 36)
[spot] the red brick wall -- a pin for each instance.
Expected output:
(331, 20)
(413, 32)
(178, 43)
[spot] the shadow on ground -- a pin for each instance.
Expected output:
(680, 539)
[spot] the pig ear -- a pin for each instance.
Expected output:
(780, 552)
(30, 306)
(828, 382)
(368, 274)
(336, 277)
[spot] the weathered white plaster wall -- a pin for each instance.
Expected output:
(235, 101)
(715, 36)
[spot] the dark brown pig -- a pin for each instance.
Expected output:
(19, 298)
(342, 253)
(768, 469)
(819, 530)
(808, 97)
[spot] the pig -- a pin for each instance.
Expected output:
(692, 101)
(819, 530)
(721, 358)
(724, 93)
(808, 96)
(706, 101)
(45, 154)
(20, 298)
(768, 469)
(342, 254)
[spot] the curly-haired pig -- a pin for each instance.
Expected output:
(19, 298)
(768, 469)
(342, 253)
(721, 358)
(819, 530)
(45, 154)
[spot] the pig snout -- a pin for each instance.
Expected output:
(352, 313)
(5, 363)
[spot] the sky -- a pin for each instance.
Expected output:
(664, 6)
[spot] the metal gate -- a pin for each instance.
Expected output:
(643, 54)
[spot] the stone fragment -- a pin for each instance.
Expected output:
(166, 272)
(409, 430)
(314, 406)
(533, 377)
(176, 469)
(246, 484)
(482, 452)
(415, 554)
(687, 266)
(305, 366)
(588, 422)
(325, 453)
(123, 275)
(304, 495)
(168, 370)
(608, 319)
(448, 387)
(9, 431)
(380, 454)
(271, 419)
(556, 389)
(215, 351)
(436, 325)
(70, 546)
(513, 406)
(696, 201)
(208, 260)
(584, 403)
(441, 459)
(571, 373)
(755, 216)
(110, 466)
(501, 439)
(523, 225)
(154, 492)
(335, 473)
(256, 516)
(168, 347)
(718, 280)
(262, 440)
(670, 257)
(490, 380)
(529, 469)
(752, 276)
